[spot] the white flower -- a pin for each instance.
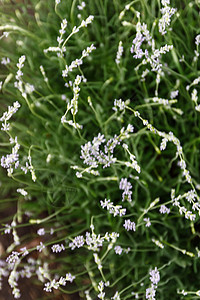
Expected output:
(41, 231)
(11, 111)
(174, 94)
(22, 192)
(5, 60)
(40, 247)
(13, 257)
(24, 251)
(77, 242)
(69, 277)
(128, 225)
(113, 209)
(167, 12)
(118, 250)
(116, 296)
(82, 6)
(164, 209)
(148, 223)
(155, 276)
(150, 293)
(197, 39)
(7, 229)
(119, 53)
(58, 248)
(97, 261)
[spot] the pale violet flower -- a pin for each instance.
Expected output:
(58, 248)
(154, 276)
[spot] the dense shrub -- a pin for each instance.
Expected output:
(100, 147)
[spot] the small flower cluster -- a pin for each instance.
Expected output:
(24, 252)
(158, 243)
(128, 225)
(42, 271)
(5, 34)
(119, 53)
(13, 282)
(13, 258)
(126, 187)
(5, 60)
(29, 167)
(119, 250)
(133, 164)
(97, 261)
(79, 61)
(143, 35)
(19, 84)
(144, 74)
(93, 155)
(194, 96)
(86, 22)
(58, 248)
(93, 241)
(167, 12)
(43, 73)
(40, 247)
(147, 221)
(87, 295)
(122, 13)
(196, 52)
(194, 82)
(60, 49)
(192, 198)
(8, 114)
(116, 296)
(164, 209)
(7, 230)
(14, 233)
(56, 284)
(119, 105)
(29, 88)
(197, 40)
(81, 6)
(41, 231)
(13, 261)
(113, 209)
(174, 94)
(62, 32)
(77, 242)
(155, 278)
(11, 161)
(3, 272)
(100, 289)
(101, 294)
(73, 105)
(9, 269)
(165, 102)
(195, 99)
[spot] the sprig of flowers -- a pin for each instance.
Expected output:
(119, 53)
(167, 12)
(115, 210)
